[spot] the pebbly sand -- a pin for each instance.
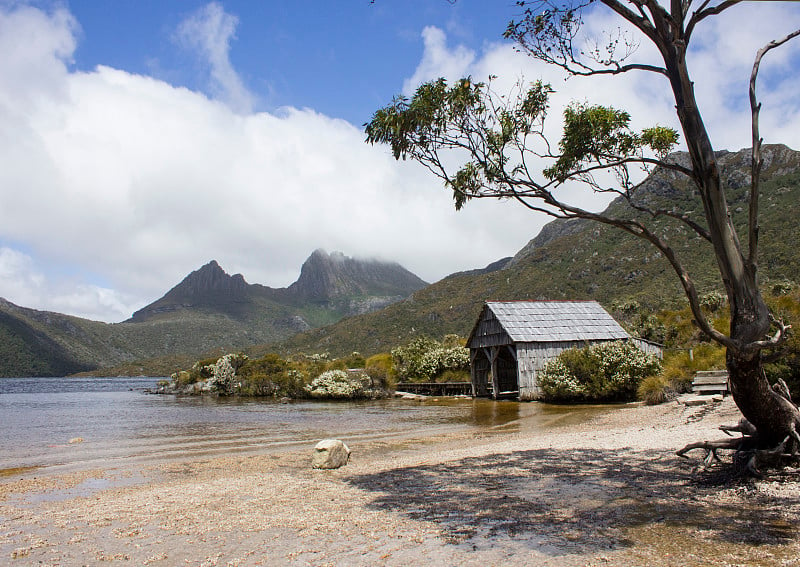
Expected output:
(607, 492)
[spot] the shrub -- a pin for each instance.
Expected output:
(454, 376)
(182, 379)
(423, 358)
(223, 373)
(782, 288)
(787, 368)
(355, 360)
(380, 368)
(654, 390)
(679, 368)
(271, 376)
(713, 301)
(288, 384)
(602, 372)
(310, 365)
(268, 365)
(337, 364)
(334, 384)
(559, 384)
(219, 373)
(341, 385)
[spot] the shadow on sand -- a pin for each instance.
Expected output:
(577, 501)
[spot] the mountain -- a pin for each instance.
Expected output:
(211, 311)
(330, 277)
(25, 350)
(579, 259)
(207, 311)
(330, 286)
(208, 288)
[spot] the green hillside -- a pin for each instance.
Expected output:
(211, 312)
(207, 313)
(578, 259)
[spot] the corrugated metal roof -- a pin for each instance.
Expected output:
(550, 321)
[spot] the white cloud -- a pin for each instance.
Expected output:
(209, 31)
(721, 59)
(139, 182)
(439, 60)
(25, 284)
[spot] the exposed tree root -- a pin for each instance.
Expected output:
(748, 450)
(752, 452)
(711, 447)
(744, 427)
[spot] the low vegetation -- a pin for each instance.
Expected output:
(319, 376)
(604, 372)
(428, 360)
(577, 376)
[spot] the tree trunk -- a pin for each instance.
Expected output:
(773, 416)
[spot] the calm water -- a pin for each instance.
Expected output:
(119, 422)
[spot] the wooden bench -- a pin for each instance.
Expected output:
(710, 382)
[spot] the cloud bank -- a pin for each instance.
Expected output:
(116, 185)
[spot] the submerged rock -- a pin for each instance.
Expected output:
(330, 454)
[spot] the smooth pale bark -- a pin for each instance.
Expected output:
(773, 416)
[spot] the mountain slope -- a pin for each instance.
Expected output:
(578, 259)
(211, 311)
(207, 312)
(26, 351)
(326, 277)
(208, 288)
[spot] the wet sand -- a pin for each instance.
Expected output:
(609, 491)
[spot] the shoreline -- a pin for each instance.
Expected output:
(609, 491)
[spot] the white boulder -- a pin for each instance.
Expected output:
(330, 454)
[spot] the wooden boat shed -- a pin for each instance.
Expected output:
(513, 340)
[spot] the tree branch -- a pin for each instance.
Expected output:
(704, 12)
(776, 340)
(756, 161)
(547, 33)
(637, 229)
(697, 228)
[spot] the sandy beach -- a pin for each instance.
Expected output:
(606, 492)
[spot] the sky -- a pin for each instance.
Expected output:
(140, 139)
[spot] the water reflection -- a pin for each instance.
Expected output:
(488, 413)
(117, 421)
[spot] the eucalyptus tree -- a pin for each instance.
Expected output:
(503, 152)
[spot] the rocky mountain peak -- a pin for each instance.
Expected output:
(325, 276)
(354, 285)
(210, 278)
(206, 286)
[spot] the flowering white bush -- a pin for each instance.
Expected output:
(559, 384)
(343, 385)
(223, 373)
(423, 359)
(335, 384)
(602, 372)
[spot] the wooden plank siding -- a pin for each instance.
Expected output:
(489, 332)
(532, 358)
(512, 341)
(649, 347)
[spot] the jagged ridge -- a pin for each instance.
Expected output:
(206, 311)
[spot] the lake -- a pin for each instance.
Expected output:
(114, 421)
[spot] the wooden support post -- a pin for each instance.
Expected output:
(472, 377)
(495, 377)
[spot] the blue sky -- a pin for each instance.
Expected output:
(141, 139)
(343, 59)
